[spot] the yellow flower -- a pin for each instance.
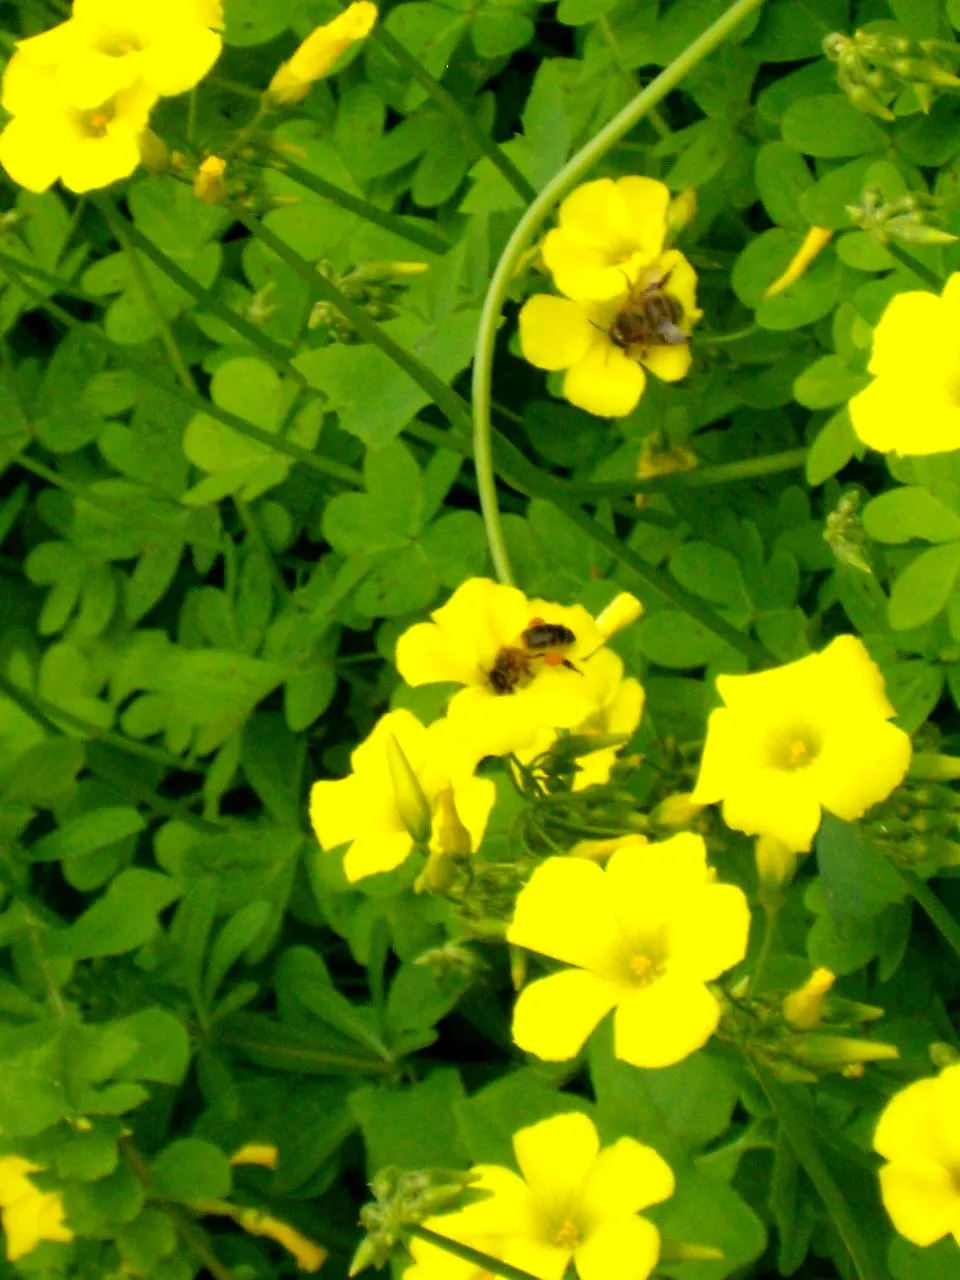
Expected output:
(365, 810)
(511, 692)
(609, 230)
(49, 138)
(919, 1134)
(621, 715)
(604, 346)
(316, 56)
(108, 46)
(803, 1008)
(810, 733)
(573, 1202)
(29, 1215)
(913, 404)
(433, 1262)
(646, 935)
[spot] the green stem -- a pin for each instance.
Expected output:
(174, 354)
(46, 714)
(523, 235)
(356, 204)
(146, 370)
(698, 477)
(258, 539)
(844, 1218)
(445, 100)
(933, 908)
(58, 282)
(930, 278)
(771, 917)
(483, 1261)
(275, 352)
(446, 399)
(699, 338)
(196, 1242)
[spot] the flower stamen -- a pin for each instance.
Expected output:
(568, 1236)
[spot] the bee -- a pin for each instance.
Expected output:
(648, 318)
(540, 639)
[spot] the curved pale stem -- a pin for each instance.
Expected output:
(523, 235)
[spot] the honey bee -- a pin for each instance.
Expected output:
(648, 318)
(540, 640)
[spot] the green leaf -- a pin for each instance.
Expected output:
(273, 758)
(145, 1241)
(411, 1127)
(711, 572)
(302, 973)
(900, 515)
(673, 639)
(789, 30)
(163, 1047)
(936, 1261)
(834, 445)
(856, 880)
(86, 834)
(190, 1169)
(782, 178)
(123, 919)
(827, 382)
(237, 936)
(827, 125)
(922, 588)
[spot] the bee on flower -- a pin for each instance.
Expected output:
(524, 665)
(629, 303)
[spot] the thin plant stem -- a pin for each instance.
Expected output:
(48, 277)
(930, 278)
(933, 908)
(698, 477)
(483, 1261)
(174, 354)
(146, 370)
(808, 1154)
(196, 1242)
(355, 204)
(444, 397)
(523, 235)
(256, 535)
(275, 352)
(46, 714)
(771, 918)
(445, 100)
(234, 86)
(700, 338)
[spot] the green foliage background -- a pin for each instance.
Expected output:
(215, 521)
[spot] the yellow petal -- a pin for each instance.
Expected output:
(664, 1022)
(710, 935)
(912, 416)
(371, 854)
(623, 610)
(680, 282)
(174, 65)
(508, 1209)
(722, 762)
(651, 883)
(605, 381)
(425, 656)
(555, 1155)
(335, 810)
(554, 1016)
(910, 1124)
(474, 799)
(554, 332)
(626, 1177)
(860, 767)
(32, 151)
(493, 726)
(921, 1198)
(259, 1153)
(669, 364)
(584, 273)
(620, 1249)
(910, 327)
(775, 803)
(565, 911)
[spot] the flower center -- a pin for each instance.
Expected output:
(96, 122)
(568, 1236)
(796, 749)
(119, 45)
(645, 971)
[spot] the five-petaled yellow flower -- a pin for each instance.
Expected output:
(402, 775)
(620, 716)
(574, 1202)
(81, 94)
(919, 1134)
(815, 732)
(646, 935)
(316, 56)
(29, 1214)
(511, 691)
(913, 404)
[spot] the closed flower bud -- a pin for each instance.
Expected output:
(154, 152)
(316, 56)
(776, 862)
(814, 242)
(623, 610)
(803, 1009)
(676, 811)
(412, 804)
(828, 1053)
(681, 210)
(209, 185)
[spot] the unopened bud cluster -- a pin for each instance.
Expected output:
(845, 535)
(906, 219)
(874, 67)
(918, 828)
(377, 287)
(403, 1199)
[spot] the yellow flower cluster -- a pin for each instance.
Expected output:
(913, 404)
(81, 94)
(29, 1214)
(919, 1135)
(629, 304)
(813, 734)
(527, 669)
(573, 1203)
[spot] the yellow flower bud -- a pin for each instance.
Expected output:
(309, 1256)
(209, 185)
(682, 210)
(154, 152)
(316, 56)
(803, 1009)
(600, 849)
(815, 240)
(776, 862)
(260, 1153)
(837, 1052)
(619, 613)
(411, 802)
(676, 811)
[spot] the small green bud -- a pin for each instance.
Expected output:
(411, 803)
